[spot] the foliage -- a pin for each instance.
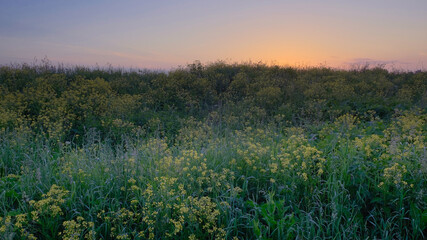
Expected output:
(219, 151)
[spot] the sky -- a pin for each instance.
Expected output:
(165, 34)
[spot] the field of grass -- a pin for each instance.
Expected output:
(212, 152)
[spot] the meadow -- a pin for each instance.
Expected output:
(215, 151)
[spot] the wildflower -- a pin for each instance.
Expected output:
(50, 204)
(273, 167)
(132, 181)
(20, 220)
(304, 176)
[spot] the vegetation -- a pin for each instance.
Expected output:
(233, 151)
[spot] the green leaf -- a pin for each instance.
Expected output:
(257, 231)
(424, 217)
(12, 194)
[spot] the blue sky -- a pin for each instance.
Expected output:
(165, 34)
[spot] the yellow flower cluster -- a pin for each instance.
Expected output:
(75, 229)
(342, 126)
(176, 215)
(395, 175)
(195, 134)
(297, 156)
(12, 225)
(346, 122)
(155, 147)
(48, 207)
(191, 167)
(205, 213)
(50, 204)
(371, 145)
(165, 203)
(251, 150)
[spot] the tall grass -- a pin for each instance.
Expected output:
(347, 179)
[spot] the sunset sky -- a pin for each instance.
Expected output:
(165, 34)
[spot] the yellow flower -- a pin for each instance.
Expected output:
(20, 220)
(273, 167)
(132, 181)
(304, 175)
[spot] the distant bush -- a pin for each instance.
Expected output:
(63, 101)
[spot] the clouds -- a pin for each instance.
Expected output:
(171, 33)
